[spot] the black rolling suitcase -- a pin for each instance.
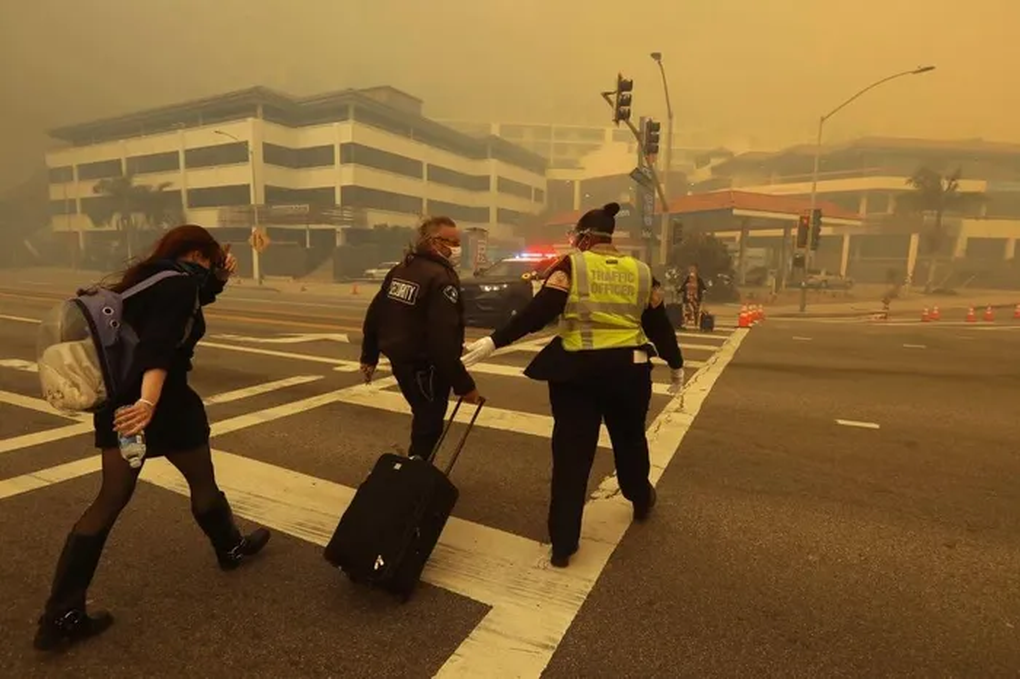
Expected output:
(394, 521)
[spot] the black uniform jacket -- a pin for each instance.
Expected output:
(417, 317)
(556, 364)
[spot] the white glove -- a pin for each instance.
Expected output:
(479, 350)
(676, 382)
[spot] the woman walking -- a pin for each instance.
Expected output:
(168, 320)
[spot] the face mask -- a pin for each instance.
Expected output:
(208, 285)
(454, 255)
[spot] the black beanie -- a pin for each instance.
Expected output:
(600, 220)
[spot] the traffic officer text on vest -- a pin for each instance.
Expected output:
(417, 321)
(611, 321)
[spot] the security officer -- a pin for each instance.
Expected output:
(417, 321)
(612, 320)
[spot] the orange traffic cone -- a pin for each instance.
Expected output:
(744, 320)
(1016, 313)
(989, 315)
(759, 313)
(935, 313)
(971, 316)
(924, 315)
(354, 289)
(761, 310)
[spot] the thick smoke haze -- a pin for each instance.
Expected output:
(744, 73)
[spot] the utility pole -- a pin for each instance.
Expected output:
(256, 268)
(664, 227)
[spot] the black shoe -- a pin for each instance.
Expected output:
(561, 559)
(248, 546)
(642, 510)
(62, 631)
(232, 548)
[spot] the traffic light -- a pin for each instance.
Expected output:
(803, 228)
(622, 99)
(651, 137)
(816, 228)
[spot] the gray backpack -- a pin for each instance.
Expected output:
(86, 352)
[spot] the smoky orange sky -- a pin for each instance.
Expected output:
(745, 73)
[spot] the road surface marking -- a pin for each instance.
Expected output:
(39, 405)
(513, 421)
(533, 605)
(343, 338)
(914, 346)
(259, 389)
(855, 423)
(504, 370)
(19, 319)
(801, 339)
(42, 437)
(341, 365)
(47, 477)
(19, 364)
(520, 634)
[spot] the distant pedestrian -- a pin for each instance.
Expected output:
(417, 321)
(159, 402)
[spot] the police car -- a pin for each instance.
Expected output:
(494, 295)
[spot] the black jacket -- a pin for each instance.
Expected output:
(418, 317)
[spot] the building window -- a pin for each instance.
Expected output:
(358, 154)
(220, 154)
(312, 156)
(375, 199)
(513, 217)
(459, 213)
(539, 196)
(448, 177)
(156, 162)
(63, 207)
(512, 188)
(61, 175)
(279, 195)
(102, 169)
(219, 196)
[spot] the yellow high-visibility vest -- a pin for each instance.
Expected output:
(608, 294)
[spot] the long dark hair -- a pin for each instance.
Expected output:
(174, 244)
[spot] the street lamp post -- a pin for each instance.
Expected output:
(817, 160)
(664, 236)
(256, 268)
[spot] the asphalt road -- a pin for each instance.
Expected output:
(784, 543)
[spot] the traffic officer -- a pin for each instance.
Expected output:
(417, 321)
(612, 320)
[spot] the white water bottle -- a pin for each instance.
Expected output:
(132, 449)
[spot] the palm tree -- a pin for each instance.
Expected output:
(937, 195)
(129, 206)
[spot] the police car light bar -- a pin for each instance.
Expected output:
(536, 255)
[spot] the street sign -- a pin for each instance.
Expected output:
(643, 177)
(259, 240)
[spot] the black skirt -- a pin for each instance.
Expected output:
(179, 424)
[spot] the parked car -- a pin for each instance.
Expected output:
(821, 280)
(380, 271)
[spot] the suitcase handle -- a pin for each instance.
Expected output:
(463, 439)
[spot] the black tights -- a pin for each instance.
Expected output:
(119, 481)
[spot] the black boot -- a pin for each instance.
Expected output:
(643, 509)
(231, 547)
(65, 620)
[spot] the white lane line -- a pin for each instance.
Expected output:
(47, 477)
(19, 364)
(861, 425)
(529, 619)
(801, 339)
(19, 319)
(341, 365)
(491, 418)
(342, 338)
(259, 389)
(39, 405)
(503, 370)
(42, 437)
(914, 346)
